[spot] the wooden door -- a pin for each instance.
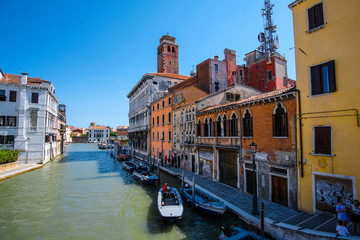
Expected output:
(279, 190)
(249, 182)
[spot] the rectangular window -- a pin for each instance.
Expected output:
(322, 140)
(12, 96)
(153, 121)
(153, 108)
(2, 139)
(163, 103)
(157, 118)
(241, 73)
(169, 117)
(163, 136)
(2, 95)
(34, 97)
(11, 121)
(163, 119)
(315, 16)
(33, 120)
(153, 135)
(9, 139)
(169, 135)
(157, 136)
(269, 76)
(323, 78)
(216, 86)
(216, 67)
(2, 120)
(169, 99)
(158, 106)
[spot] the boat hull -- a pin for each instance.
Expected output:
(148, 179)
(170, 206)
(205, 203)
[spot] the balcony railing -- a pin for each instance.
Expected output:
(219, 141)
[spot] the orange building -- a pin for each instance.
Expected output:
(161, 127)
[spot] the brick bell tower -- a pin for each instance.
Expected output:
(168, 55)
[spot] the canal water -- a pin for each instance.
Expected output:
(87, 195)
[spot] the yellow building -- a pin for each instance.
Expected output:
(327, 35)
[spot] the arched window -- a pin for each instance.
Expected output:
(173, 49)
(168, 48)
(181, 117)
(211, 128)
(280, 121)
(234, 125)
(225, 126)
(206, 128)
(199, 128)
(218, 127)
(247, 124)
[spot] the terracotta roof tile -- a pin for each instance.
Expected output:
(16, 79)
(98, 127)
(252, 98)
(171, 75)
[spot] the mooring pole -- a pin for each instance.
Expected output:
(182, 181)
(158, 169)
(193, 193)
(262, 219)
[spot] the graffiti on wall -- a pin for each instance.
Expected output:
(328, 189)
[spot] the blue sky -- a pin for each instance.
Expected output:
(94, 52)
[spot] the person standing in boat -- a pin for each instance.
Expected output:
(165, 190)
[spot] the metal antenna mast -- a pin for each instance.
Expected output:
(269, 40)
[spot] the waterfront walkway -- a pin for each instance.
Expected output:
(19, 169)
(280, 222)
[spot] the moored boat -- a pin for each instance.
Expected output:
(236, 233)
(129, 165)
(170, 204)
(204, 201)
(145, 175)
(122, 157)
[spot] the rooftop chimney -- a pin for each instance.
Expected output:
(216, 57)
(24, 78)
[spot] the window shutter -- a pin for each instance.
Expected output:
(319, 14)
(274, 124)
(251, 126)
(285, 126)
(213, 129)
(228, 127)
(236, 127)
(311, 18)
(315, 80)
(331, 68)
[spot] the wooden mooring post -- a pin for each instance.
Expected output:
(182, 181)
(262, 220)
(193, 193)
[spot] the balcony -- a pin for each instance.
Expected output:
(219, 141)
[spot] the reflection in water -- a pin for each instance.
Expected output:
(87, 195)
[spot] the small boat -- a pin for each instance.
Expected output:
(170, 204)
(129, 165)
(144, 175)
(122, 157)
(204, 202)
(102, 146)
(236, 233)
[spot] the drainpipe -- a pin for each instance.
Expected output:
(300, 135)
(240, 147)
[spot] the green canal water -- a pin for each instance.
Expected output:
(86, 194)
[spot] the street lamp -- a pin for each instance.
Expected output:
(255, 211)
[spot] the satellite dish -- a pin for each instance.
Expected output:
(261, 37)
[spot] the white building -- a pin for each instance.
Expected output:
(99, 134)
(28, 117)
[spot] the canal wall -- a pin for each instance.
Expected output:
(275, 229)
